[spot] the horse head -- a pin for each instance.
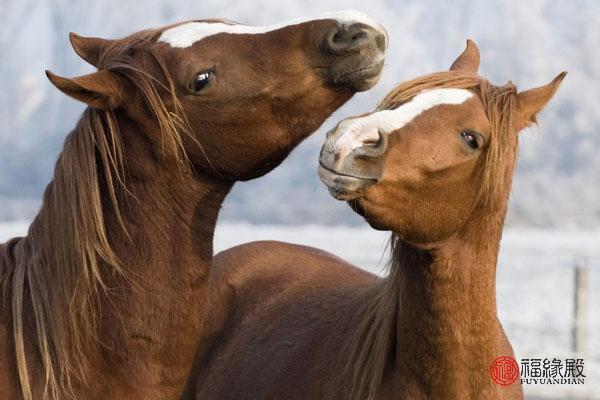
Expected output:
(241, 96)
(438, 148)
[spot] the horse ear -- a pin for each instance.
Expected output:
(100, 89)
(89, 48)
(468, 61)
(531, 102)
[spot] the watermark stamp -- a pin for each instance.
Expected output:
(505, 370)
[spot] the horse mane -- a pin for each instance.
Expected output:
(372, 345)
(60, 279)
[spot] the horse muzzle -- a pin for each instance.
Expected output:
(350, 161)
(358, 53)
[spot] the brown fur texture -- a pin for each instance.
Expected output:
(305, 325)
(107, 294)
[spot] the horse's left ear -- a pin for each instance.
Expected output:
(89, 48)
(532, 101)
(101, 90)
(468, 61)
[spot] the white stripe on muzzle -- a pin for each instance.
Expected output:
(359, 130)
(185, 35)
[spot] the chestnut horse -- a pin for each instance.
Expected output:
(105, 297)
(434, 166)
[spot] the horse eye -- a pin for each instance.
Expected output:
(472, 139)
(201, 80)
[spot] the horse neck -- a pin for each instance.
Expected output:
(170, 214)
(447, 328)
(167, 250)
(164, 243)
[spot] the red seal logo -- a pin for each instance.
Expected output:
(504, 370)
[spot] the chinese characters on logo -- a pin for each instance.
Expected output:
(552, 372)
(536, 371)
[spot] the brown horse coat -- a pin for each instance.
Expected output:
(107, 294)
(434, 165)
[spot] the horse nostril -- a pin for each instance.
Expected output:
(346, 38)
(372, 142)
(359, 36)
(373, 147)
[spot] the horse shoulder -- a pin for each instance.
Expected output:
(8, 376)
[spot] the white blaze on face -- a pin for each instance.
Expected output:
(185, 35)
(357, 131)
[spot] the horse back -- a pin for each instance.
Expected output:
(269, 266)
(285, 305)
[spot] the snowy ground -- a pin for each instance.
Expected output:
(535, 285)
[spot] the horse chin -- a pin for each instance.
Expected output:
(344, 187)
(343, 195)
(260, 170)
(376, 225)
(357, 206)
(359, 78)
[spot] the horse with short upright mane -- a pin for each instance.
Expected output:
(106, 296)
(434, 165)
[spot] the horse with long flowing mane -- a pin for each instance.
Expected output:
(433, 165)
(106, 296)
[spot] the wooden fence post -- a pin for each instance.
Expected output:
(581, 307)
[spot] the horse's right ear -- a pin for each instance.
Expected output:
(468, 61)
(101, 90)
(89, 48)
